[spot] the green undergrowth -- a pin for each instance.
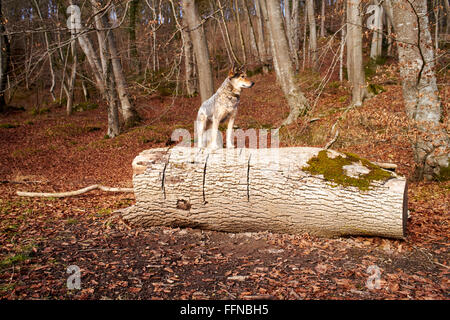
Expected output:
(332, 170)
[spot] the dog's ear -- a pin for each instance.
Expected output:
(231, 73)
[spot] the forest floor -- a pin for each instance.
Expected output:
(44, 150)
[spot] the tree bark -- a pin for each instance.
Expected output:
(354, 52)
(200, 49)
(322, 20)
(4, 60)
(312, 32)
(251, 190)
(375, 22)
(420, 91)
(251, 31)
(241, 35)
(133, 13)
(130, 116)
(261, 38)
(298, 104)
(107, 73)
(71, 82)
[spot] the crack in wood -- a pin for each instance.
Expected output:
(163, 179)
(204, 180)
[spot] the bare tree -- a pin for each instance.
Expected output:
(375, 22)
(420, 91)
(298, 104)
(206, 83)
(4, 60)
(354, 52)
(312, 31)
(261, 37)
(251, 31)
(322, 20)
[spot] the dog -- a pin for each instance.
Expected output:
(220, 107)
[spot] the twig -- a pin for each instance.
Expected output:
(72, 193)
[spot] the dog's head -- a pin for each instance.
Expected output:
(239, 80)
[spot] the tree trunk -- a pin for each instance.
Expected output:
(261, 38)
(420, 91)
(133, 12)
(251, 190)
(49, 54)
(295, 16)
(4, 60)
(354, 52)
(200, 49)
(227, 34)
(189, 64)
(298, 104)
(312, 32)
(241, 36)
(251, 31)
(375, 22)
(322, 20)
(71, 82)
(129, 114)
(107, 74)
(447, 10)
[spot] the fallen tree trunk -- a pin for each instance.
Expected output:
(285, 190)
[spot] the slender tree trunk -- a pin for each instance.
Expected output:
(50, 58)
(387, 6)
(298, 103)
(375, 22)
(241, 36)
(322, 20)
(107, 72)
(312, 32)
(71, 84)
(206, 83)
(354, 52)
(305, 23)
(227, 33)
(436, 30)
(261, 38)
(253, 44)
(4, 60)
(290, 33)
(296, 30)
(420, 91)
(447, 10)
(93, 60)
(189, 62)
(133, 12)
(129, 113)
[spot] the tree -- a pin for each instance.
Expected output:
(312, 31)
(375, 22)
(354, 52)
(420, 92)
(298, 104)
(261, 37)
(4, 60)
(195, 25)
(133, 13)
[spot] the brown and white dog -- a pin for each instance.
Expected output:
(220, 107)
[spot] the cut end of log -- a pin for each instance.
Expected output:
(285, 190)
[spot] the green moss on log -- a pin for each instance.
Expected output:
(332, 170)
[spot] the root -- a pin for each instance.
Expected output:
(72, 193)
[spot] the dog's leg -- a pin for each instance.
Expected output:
(230, 143)
(201, 125)
(214, 130)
